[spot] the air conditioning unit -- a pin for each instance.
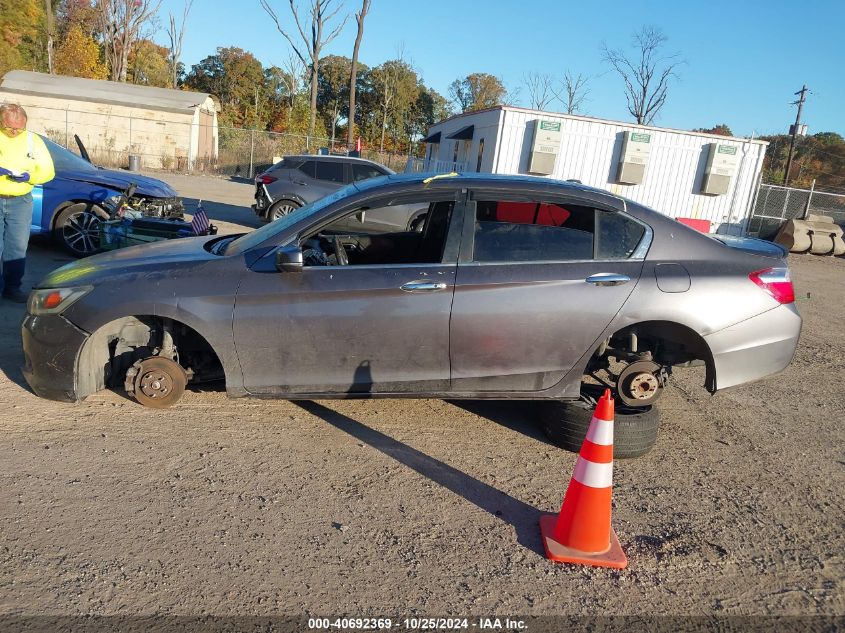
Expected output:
(545, 147)
(722, 161)
(636, 148)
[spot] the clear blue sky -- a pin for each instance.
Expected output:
(744, 58)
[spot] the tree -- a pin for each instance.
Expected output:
(120, 23)
(81, 13)
(540, 88)
(575, 91)
(237, 78)
(332, 93)
(176, 36)
(19, 34)
(428, 108)
(78, 55)
(477, 91)
(722, 130)
(353, 73)
(646, 74)
(321, 15)
(395, 84)
(50, 29)
(149, 64)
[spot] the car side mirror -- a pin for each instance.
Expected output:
(289, 259)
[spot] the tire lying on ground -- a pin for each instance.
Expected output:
(634, 430)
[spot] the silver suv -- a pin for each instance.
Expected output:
(296, 181)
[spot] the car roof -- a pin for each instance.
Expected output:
(333, 158)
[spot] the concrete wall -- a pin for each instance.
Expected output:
(110, 132)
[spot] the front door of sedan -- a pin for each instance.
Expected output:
(380, 325)
(538, 281)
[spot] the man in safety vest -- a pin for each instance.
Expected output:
(24, 162)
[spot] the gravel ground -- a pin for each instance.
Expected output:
(399, 507)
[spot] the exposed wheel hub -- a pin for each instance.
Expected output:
(640, 383)
(155, 384)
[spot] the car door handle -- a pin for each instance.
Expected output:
(607, 279)
(423, 286)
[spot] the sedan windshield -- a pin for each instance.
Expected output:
(64, 159)
(256, 237)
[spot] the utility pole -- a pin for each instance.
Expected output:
(795, 128)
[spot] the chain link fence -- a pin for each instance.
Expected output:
(166, 142)
(775, 205)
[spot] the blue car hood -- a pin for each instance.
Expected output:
(120, 180)
(160, 259)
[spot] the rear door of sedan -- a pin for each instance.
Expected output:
(540, 276)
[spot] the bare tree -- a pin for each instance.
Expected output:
(293, 72)
(646, 74)
(51, 31)
(575, 91)
(120, 23)
(321, 15)
(540, 88)
(176, 36)
(353, 76)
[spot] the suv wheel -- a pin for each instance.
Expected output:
(281, 208)
(634, 429)
(77, 228)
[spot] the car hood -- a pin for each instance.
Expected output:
(120, 180)
(158, 259)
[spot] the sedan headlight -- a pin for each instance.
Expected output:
(55, 301)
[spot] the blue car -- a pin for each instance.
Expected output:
(70, 207)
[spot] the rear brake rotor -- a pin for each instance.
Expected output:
(639, 384)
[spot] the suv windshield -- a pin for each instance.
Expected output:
(65, 159)
(253, 239)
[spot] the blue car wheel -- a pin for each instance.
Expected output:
(77, 229)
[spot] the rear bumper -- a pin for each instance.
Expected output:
(755, 348)
(51, 347)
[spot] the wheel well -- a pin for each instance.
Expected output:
(666, 342)
(115, 346)
(69, 203)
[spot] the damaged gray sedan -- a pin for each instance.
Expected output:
(515, 287)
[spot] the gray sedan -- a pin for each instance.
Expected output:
(515, 287)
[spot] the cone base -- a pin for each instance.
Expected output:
(613, 557)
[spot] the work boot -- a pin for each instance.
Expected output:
(18, 296)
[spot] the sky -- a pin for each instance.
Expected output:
(743, 59)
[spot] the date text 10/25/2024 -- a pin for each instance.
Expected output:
(417, 623)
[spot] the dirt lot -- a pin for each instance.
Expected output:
(394, 508)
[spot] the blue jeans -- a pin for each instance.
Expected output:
(15, 218)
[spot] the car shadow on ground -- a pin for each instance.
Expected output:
(521, 416)
(518, 514)
(223, 212)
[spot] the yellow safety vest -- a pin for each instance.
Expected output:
(24, 153)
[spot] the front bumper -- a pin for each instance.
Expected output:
(755, 348)
(51, 347)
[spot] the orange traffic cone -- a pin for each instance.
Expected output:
(582, 533)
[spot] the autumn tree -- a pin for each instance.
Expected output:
(395, 87)
(722, 130)
(20, 34)
(120, 23)
(311, 45)
(80, 13)
(333, 90)
(237, 78)
(78, 55)
(149, 64)
(353, 71)
(428, 108)
(646, 72)
(478, 91)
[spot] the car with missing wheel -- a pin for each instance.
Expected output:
(71, 207)
(296, 181)
(515, 288)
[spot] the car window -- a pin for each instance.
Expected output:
(618, 236)
(363, 172)
(308, 168)
(532, 231)
(331, 171)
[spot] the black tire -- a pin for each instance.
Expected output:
(77, 228)
(634, 430)
(281, 208)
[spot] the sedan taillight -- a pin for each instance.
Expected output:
(776, 282)
(264, 179)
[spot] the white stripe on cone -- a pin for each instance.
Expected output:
(593, 474)
(601, 432)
